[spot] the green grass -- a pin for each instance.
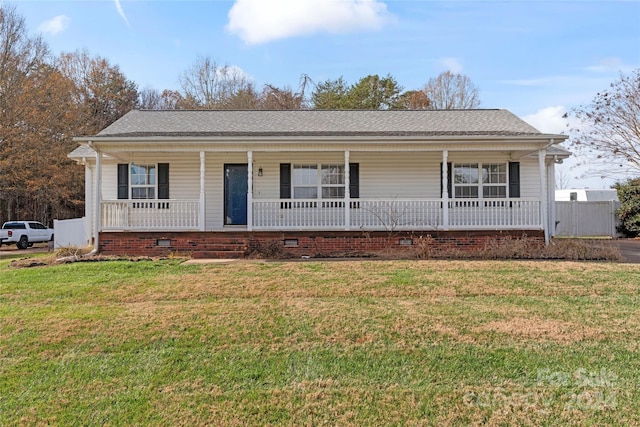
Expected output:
(338, 343)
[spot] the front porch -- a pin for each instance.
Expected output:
(331, 215)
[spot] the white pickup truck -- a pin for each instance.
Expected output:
(24, 233)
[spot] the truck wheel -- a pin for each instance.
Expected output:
(23, 243)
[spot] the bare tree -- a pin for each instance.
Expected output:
(151, 99)
(609, 130)
(563, 180)
(451, 91)
(208, 85)
(100, 88)
(274, 98)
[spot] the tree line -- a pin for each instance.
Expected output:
(46, 100)
(209, 85)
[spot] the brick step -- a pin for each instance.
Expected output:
(217, 254)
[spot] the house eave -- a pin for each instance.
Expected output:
(333, 139)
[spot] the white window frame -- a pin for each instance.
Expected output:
(304, 185)
(318, 183)
(147, 185)
(482, 180)
(339, 174)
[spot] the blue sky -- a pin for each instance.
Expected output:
(537, 59)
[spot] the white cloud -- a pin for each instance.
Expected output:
(55, 25)
(548, 120)
(542, 81)
(121, 12)
(612, 64)
(260, 21)
(451, 64)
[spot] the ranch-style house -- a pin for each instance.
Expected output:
(224, 183)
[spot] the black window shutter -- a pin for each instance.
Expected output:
(285, 180)
(163, 180)
(514, 179)
(123, 180)
(449, 182)
(354, 180)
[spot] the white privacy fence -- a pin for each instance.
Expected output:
(586, 219)
(71, 232)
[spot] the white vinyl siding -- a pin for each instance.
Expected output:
(529, 171)
(390, 175)
(267, 186)
(529, 178)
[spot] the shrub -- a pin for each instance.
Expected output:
(629, 211)
(521, 248)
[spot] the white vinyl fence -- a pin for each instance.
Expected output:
(586, 219)
(71, 232)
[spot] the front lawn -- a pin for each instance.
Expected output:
(310, 343)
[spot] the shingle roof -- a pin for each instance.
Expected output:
(318, 123)
(82, 151)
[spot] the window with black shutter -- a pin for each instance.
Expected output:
(123, 181)
(514, 179)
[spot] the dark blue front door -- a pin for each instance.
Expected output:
(235, 194)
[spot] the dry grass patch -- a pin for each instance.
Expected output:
(535, 328)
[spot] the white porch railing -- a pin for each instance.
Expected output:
(298, 214)
(470, 214)
(150, 215)
(396, 214)
(329, 214)
(393, 214)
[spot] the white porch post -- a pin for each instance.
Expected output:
(347, 192)
(551, 194)
(445, 190)
(97, 194)
(88, 208)
(543, 194)
(202, 195)
(249, 190)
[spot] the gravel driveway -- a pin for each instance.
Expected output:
(12, 250)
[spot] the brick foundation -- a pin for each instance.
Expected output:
(313, 244)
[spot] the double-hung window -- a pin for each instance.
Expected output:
(305, 181)
(143, 181)
(318, 181)
(494, 180)
(480, 180)
(332, 181)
